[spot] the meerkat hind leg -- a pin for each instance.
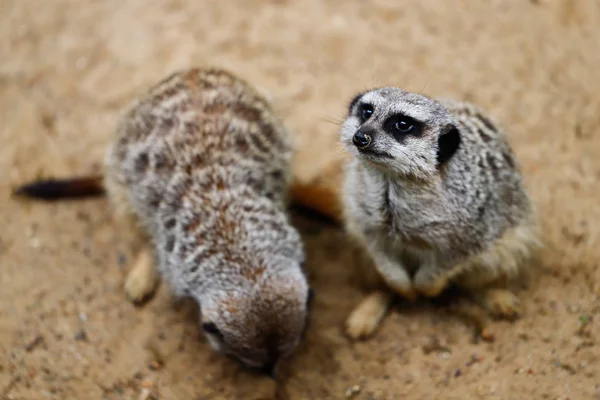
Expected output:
(499, 302)
(367, 316)
(142, 279)
(491, 293)
(491, 273)
(487, 278)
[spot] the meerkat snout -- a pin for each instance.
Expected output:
(258, 325)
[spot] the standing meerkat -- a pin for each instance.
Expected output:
(435, 196)
(202, 165)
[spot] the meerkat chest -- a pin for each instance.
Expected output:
(407, 215)
(365, 200)
(414, 219)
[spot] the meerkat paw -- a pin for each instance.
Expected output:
(501, 303)
(142, 279)
(405, 291)
(397, 279)
(428, 285)
(367, 317)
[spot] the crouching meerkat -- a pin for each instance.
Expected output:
(202, 165)
(434, 194)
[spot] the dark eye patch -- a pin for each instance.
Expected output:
(399, 126)
(365, 111)
(210, 327)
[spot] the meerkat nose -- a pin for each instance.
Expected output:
(361, 139)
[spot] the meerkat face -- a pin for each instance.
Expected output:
(403, 132)
(259, 325)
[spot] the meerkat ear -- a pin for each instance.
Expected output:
(448, 143)
(354, 101)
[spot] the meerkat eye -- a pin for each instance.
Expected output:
(365, 111)
(403, 126)
(210, 327)
(400, 126)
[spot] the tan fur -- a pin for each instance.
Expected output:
(367, 316)
(142, 278)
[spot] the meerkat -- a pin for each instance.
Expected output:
(434, 194)
(200, 166)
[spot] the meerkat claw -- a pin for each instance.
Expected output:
(367, 317)
(142, 279)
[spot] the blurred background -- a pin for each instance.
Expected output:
(68, 69)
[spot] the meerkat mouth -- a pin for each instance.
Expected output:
(372, 154)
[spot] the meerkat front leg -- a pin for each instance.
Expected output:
(142, 279)
(368, 315)
(394, 274)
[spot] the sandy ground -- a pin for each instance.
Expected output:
(67, 70)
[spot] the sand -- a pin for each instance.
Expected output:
(67, 71)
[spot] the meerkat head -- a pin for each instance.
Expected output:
(402, 132)
(260, 323)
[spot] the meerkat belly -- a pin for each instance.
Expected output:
(444, 242)
(419, 237)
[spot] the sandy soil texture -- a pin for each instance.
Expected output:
(68, 69)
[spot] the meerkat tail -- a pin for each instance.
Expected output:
(320, 198)
(57, 189)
